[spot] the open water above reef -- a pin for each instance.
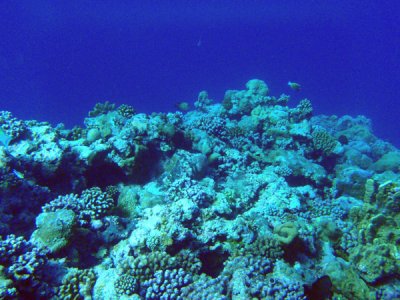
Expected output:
(178, 175)
(58, 59)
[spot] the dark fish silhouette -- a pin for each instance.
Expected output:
(294, 86)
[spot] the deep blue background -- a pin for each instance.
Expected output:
(58, 58)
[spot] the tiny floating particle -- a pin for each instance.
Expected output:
(294, 86)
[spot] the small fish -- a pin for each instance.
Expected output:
(18, 174)
(294, 86)
(183, 106)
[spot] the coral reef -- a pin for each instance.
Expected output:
(24, 265)
(247, 198)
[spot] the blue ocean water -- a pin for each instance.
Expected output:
(57, 59)
(251, 196)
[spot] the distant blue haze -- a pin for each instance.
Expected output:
(58, 58)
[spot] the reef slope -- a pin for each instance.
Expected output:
(247, 198)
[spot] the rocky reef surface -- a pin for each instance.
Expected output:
(247, 198)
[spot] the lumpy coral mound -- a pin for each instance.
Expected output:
(251, 197)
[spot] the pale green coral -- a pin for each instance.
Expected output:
(257, 87)
(54, 229)
(77, 284)
(286, 233)
(126, 285)
(376, 261)
(377, 255)
(101, 108)
(323, 141)
(389, 161)
(346, 281)
(388, 196)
